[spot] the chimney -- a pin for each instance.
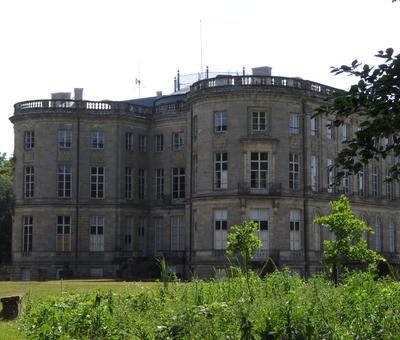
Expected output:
(61, 95)
(159, 94)
(78, 93)
(262, 71)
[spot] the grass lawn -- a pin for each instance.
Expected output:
(36, 290)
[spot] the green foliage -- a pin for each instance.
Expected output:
(243, 243)
(349, 244)
(374, 100)
(162, 262)
(6, 182)
(362, 307)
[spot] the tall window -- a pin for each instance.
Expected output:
(27, 234)
(64, 178)
(294, 217)
(97, 139)
(195, 165)
(220, 229)
(389, 187)
(96, 241)
(29, 140)
(313, 126)
(129, 183)
(259, 169)
(97, 182)
(64, 139)
(378, 235)
(159, 184)
(221, 170)
(260, 216)
(345, 128)
(316, 236)
(220, 121)
(330, 176)
(294, 124)
(361, 182)
(29, 181)
(159, 230)
(63, 236)
(177, 233)
(159, 143)
(259, 120)
(375, 181)
(330, 130)
(141, 233)
(178, 141)
(142, 183)
(128, 234)
(129, 141)
(314, 173)
(142, 143)
(195, 127)
(294, 171)
(346, 183)
(178, 183)
(392, 236)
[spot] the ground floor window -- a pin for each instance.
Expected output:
(63, 233)
(96, 233)
(220, 229)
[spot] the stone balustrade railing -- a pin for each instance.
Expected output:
(67, 105)
(261, 81)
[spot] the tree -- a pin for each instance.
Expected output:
(6, 206)
(349, 244)
(243, 243)
(374, 101)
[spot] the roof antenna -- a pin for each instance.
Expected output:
(138, 81)
(201, 49)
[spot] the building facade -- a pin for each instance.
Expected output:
(103, 188)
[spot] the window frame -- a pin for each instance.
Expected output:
(294, 124)
(220, 121)
(159, 192)
(258, 176)
(97, 140)
(178, 183)
(159, 143)
(27, 234)
(178, 141)
(220, 222)
(294, 171)
(295, 229)
(96, 233)
(64, 139)
(63, 228)
(129, 176)
(29, 139)
(256, 121)
(221, 170)
(29, 181)
(129, 141)
(97, 182)
(64, 181)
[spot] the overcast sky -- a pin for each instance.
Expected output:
(103, 46)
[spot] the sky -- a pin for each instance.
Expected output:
(103, 46)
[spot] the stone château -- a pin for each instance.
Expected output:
(104, 187)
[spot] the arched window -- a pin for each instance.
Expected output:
(378, 234)
(392, 236)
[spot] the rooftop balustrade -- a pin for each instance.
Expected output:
(261, 81)
(68, 105)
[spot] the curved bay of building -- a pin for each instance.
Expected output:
(102, 188)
